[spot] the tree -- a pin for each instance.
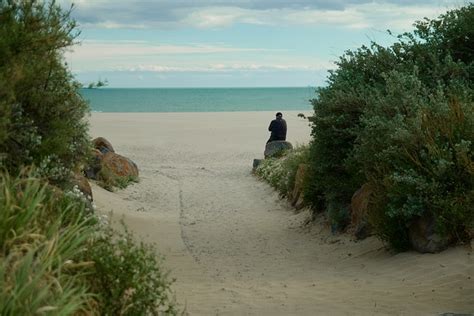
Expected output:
(42, 120)
(401, 119)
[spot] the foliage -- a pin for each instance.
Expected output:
(49, 263)
(280, 172)
(400, 118)
(335, 125)
(425, 162)
(128, 277)
(42, 114)
(37, 249)
(56, 256)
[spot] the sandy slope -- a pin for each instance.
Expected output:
(236, 248)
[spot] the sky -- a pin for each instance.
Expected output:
(231, 43)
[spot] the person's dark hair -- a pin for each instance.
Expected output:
(279, 114)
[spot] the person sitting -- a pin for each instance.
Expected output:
(277, 128)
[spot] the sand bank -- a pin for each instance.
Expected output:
(236, 248)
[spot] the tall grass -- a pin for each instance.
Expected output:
(36, 249)
(57, 258)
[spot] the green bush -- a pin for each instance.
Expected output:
(41, 112)
(335, 127)
(280, 172)
(58, 257)
(400, 118)
(421, 162)
(49, 262)
(128, 277)
(37, 249)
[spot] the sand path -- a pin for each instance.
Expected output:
(236, 248)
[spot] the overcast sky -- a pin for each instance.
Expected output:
(233, 43)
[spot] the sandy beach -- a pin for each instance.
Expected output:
(236, 248)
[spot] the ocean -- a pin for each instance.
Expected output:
(198, 99)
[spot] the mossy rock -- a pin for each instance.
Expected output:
(277, 148)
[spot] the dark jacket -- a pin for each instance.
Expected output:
(278, 129)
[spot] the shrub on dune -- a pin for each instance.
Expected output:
(127, 277)
(401, 119)
(40, 236)
(281, 172)
(42, 114)
(55, 255)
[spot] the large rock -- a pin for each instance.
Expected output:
(359, 204)
(119, 165)
(297, 199)
(103, 145)
(256, 163)
(276, 148)
(423, 236)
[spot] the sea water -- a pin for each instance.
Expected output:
(198, 99)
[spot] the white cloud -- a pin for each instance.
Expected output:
(219, 13)
(215, 17)
(361, 16)
(167, 59)
(228, 67)
(130, 49)
(146, 56)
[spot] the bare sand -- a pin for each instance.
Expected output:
(236, 248)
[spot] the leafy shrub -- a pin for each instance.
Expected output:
(280, 172)
(400, 118)
(128, 277)
(424, 165)
(57, 257)
(41, 111)
(335, 127)
(36, 249)
(46, 235)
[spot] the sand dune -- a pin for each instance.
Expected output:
(237, 249)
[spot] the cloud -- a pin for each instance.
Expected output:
(133, 58)
(366, 16)
(222, 13)
(166, 58)
(127, 48)
(232, 67)
(146, 56)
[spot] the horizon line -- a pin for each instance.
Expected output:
(201, 87)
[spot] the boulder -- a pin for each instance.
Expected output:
(359, 204)
(423, 237)
(297, 195)
(83, 185)
(103, 145)
(275, 148)
(256, 163)
(95, 164)
(119, 165)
